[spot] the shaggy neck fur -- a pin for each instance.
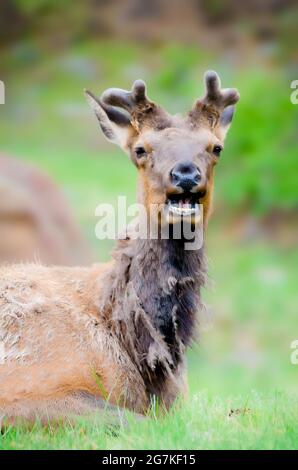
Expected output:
(154, 298)
(167, 280)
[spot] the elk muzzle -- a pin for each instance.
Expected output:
(186, 188)
(185, 175)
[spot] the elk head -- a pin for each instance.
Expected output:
(174, 155)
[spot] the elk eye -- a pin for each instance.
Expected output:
(216, 150)
(140, 152)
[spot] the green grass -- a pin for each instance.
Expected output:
(204, 422)
(242, 360)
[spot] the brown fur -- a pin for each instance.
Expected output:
(117, 332)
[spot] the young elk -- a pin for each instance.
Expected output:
(72, 338)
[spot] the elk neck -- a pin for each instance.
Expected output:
(167, 280)
(151, 302)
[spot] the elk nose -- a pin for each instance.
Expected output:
(186, 175)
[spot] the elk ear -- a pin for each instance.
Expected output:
(115, 124)
(226, 119)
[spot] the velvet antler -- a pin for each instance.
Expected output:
(140, 108)
(128, 100)
(216, 96)
(218, 103)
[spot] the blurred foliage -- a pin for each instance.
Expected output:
(211, 22)
(37, 6)
(261, 166)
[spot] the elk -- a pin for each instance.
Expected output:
(74, 339)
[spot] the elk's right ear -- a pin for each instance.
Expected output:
(115, 124)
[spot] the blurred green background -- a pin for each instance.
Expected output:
(51, 50)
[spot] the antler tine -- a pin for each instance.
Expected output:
(139, 91)
(141, 110)
(126, 99)
(217, 96)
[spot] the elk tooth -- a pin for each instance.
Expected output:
(180, 210)
(183, 209)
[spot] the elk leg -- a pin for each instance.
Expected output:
(64, 410)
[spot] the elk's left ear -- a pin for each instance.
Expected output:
(115, 124)
(226, 118)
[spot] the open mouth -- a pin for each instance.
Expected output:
(184, 205)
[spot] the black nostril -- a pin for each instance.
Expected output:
(186, 175)
(197, 177)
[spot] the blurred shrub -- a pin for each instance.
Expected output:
(33, 7)
(261, 164)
